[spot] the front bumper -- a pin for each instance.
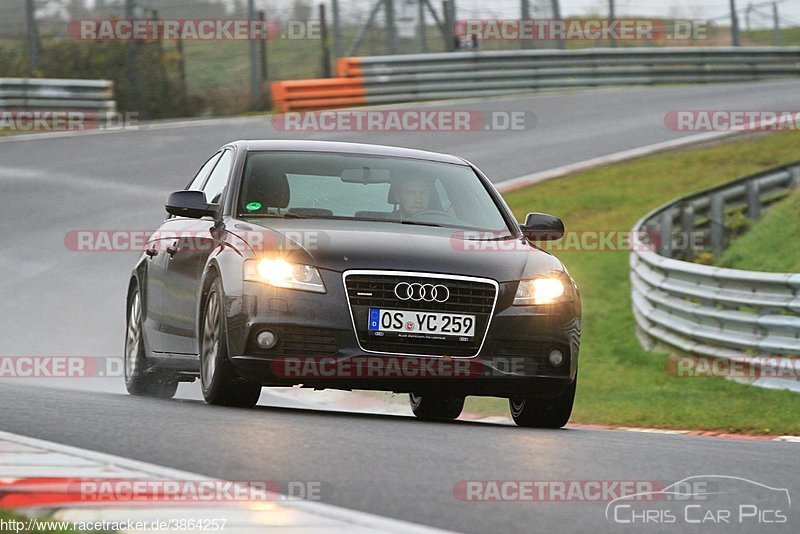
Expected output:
(317, 346)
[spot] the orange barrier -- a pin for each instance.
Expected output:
(349, 67)
(306, 95)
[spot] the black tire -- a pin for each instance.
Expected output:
(141, 377)
(433, 408)
(220, 383)
(542, 412)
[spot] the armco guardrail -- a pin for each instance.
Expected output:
(31, 94)
(712, 311)
(419, 77)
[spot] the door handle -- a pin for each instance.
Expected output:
(172, 249)
(152, 252)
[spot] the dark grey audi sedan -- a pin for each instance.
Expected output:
(350, 266)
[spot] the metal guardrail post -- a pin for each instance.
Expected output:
(717, 224)
(687, 226)
(795, 176)
(753, 199)
(665, 234)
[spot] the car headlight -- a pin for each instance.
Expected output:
(543, 290)
(281, 273)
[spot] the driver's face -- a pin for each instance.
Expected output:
(414, 197)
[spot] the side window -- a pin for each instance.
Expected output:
(205, 170)
(219, 178)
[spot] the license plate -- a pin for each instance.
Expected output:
(421, 322)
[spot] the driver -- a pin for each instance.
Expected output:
(414, 197)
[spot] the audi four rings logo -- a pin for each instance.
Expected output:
(421, 292)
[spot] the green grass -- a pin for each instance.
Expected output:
(769, 246)
(789, 37)
(620, 382)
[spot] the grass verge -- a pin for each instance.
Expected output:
(769, 245)
(620, 382)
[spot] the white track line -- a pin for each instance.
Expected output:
(327, 517)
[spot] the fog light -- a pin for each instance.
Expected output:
(556, 357)
(266, 340)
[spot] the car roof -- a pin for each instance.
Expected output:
(344, 148)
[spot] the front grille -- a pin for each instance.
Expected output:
(370, 290)
(297, 341)
(465, 297)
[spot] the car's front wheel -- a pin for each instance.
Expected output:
(435, 408)
(540, 412)
(220, 383)
(141, 378)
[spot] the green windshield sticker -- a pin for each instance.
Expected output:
(253, 206)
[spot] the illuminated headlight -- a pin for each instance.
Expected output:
(281, 273)
(544, 290)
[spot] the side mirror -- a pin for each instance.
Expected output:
(190, 204)
(542, 227)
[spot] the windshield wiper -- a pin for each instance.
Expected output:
(499, 238)
(418, 223)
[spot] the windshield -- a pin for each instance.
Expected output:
(386, 189)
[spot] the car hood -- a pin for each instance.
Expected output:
(344, 245)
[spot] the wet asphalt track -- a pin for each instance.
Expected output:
(57, 302)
